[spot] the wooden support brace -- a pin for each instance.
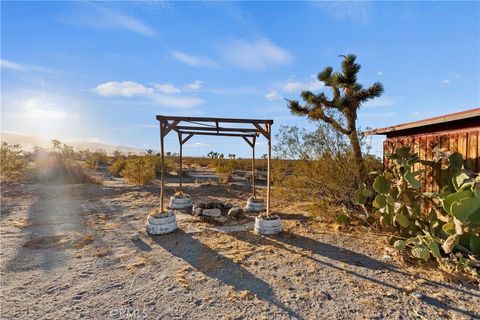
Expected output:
(262, 131)
(186, 138)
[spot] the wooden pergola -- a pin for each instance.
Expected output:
(187, 127)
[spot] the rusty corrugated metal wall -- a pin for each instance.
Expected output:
(466, 142)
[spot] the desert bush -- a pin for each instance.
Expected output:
(317, 166)
(13, 162)
(139, 170)
(443, 225)
(223, 166)
(117, 167)
(93, 159)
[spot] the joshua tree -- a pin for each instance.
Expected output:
(347, 97)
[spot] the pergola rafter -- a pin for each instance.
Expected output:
(212, 127)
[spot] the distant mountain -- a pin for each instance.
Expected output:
(28, 142)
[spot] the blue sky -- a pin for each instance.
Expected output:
(101, 71)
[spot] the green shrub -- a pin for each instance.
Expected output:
(13, 162)
(223, 166)
(117, 167)
(444, 225)
(139, 171)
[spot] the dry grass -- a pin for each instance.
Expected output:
(181, 277)
(48, 242)
(22, 223)
(234, 295)
(84, 241)
(140, 262)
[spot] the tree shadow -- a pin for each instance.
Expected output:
(217, 266)
(286, 240)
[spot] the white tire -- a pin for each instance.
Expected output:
(255, 206)
(162, 225)
(180, 203)
(268, 227)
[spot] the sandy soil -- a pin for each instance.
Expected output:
(67, 253)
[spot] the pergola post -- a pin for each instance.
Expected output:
(269, 138)
(253, 169)
(162, 176)
(180, 160)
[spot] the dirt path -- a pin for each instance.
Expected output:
(66, 253)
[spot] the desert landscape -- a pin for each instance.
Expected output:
(80, 251)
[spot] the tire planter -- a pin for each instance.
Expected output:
(268, 227)
(255, 206)
(161, 225)
(180, 203)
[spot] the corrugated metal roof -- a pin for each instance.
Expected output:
(426, 122)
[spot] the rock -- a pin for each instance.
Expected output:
(134, 237)
(197, 211)
(201, 204)
(50, 290)
(228, 206)
(221, 219)
(235, 212)
(215, 213)
(417, 295)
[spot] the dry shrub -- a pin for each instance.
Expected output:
(117, 167)
(320, 168)
(139, 171)
(13, 162)
(93, 159)
(224, 166)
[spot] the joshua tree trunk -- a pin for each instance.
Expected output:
(355, 142)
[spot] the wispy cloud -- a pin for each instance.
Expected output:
(197, 145)
(384, 101)
(380, 73)
(192, 60)
(11, 65)
(445, 81)
(194, 86)
(296, 86)
(159, 94)
(272, 95)
(6, 64)
(166, 88)
(255, 55)
(356, 11)
(93, 15)
(124, 88)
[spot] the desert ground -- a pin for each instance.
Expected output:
(80, 252)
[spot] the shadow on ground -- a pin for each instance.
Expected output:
(292, 242)
(215, 265)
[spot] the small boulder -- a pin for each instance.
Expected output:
(215, 213)
(235, 212)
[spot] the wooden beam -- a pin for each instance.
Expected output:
(252, 144)
(217, 134)
(186, 138)
(204, 119)
(262, 131)
(252, 130)
(169, 127)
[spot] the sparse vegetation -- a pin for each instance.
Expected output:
(140, 170)
(13, 162)
(117, 167)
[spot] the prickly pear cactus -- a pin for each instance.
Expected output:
(452, 225)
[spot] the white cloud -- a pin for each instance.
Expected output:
(94, 15)
(166, 88)
(131, 88)
(295, 86)
(197, 145)
(191, 60)
(381, 102)
(23, 67)
(272, 95)
(380, 73)
(124, 88)
(445, 81)
(255, 55)
(194, 86)
(11, 65)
